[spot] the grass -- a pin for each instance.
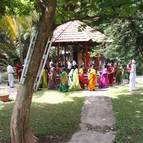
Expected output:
(53, 114)
(56, 115)
(128, 110)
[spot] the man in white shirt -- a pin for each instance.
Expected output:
(10, 73)
(74, 63)
(132, 77)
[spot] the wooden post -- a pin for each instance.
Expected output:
(86, 56)
(65, 55)
(58, 54)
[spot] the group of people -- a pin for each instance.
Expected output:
(69, 78)
(115, 74)
(74, 78)
(66, 79)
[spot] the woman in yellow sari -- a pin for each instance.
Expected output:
(75, 82)
(91, 78)
(44, 79)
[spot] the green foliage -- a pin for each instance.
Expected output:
(79, 9)
(124, 40)
(16, 7)
(8, 52)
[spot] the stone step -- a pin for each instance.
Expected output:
(92, 137)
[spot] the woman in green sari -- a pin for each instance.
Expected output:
(119, 74)
(63, 87)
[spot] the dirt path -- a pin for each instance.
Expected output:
(97, 120)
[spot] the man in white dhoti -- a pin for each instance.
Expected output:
(10, 72)
(132, 78)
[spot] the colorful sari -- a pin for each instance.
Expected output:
(44, 79)
(52, 79)
(119, 74)
(63, 87)
(110, 71)
(103, 79)
(91, 79)
(70, 80)
(81, 78)
(75, 83)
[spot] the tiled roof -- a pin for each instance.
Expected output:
(69, 32)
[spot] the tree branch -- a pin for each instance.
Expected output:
(42, 5)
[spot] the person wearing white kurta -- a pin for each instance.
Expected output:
(132, 78)
(10, 72)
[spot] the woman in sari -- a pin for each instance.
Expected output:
(103, 79)
(75, 82)
(91, 78)
(44, 79)
(127, 71)
(111, 71)
(81, 76)
(70, 79)
(52, 78)
(119, 74)
(63, 87)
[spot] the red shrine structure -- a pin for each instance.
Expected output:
(75, 36)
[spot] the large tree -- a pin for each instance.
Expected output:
(66, 10)
(20, 130)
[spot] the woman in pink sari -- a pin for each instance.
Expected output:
(103, 79)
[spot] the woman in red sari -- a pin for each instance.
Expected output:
(18, 71)
(81, 76)
(110, 70)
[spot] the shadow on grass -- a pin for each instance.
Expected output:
(52, 123)
(128, 111)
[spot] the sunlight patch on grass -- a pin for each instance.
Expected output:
(53, 113)
(55, 97)
(122, 90)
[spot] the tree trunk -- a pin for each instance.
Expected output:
(19, 127)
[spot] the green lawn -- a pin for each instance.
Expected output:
(128, 110)
(53, 114)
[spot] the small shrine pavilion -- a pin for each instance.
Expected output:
(75, 33)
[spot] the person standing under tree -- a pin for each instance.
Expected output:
(10, 73)
(132, 78)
